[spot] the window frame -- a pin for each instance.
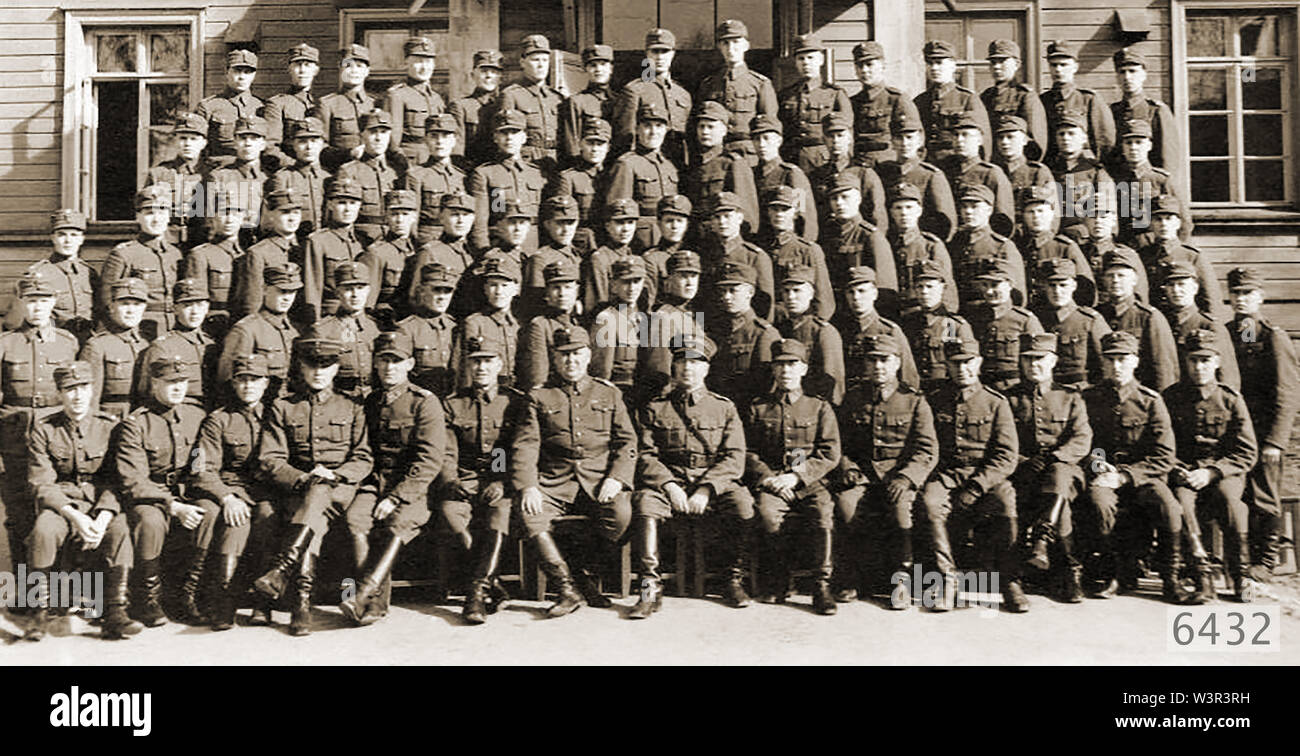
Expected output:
(80, 116)
(352, 18)
(1028, 13)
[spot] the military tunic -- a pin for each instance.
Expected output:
(410, 103)
(801, 108)
(940, 106)
(156, 262)
(479, 426)
(540, 104)
(433, 337)
(221, 112)
(1015, 98)
(791, 432)
(875, 110)
(114, 356)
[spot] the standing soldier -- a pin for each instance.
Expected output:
(804, 104)
(1078, 329)
(675, 315)
(114, 350)
(617, 327)
(154, 456)
(1052, 424)
(473, 114)
(1166, 145)
(190, 341)
(969, 489)
(243, 176)
(374, 172)
(412, 102)
(726, 244)
(861, 321)
(28, 358)
(876, 108)
(236, 101)
(644, 173)
(407, 429)
(931, 324)
(285, 109)
(1038, 242)
(1166, 219)
(560, 222)
(1011, 137)
(284, 208)
(575, 449)
(214, 261)
(560, 313)
(1138, 184)
(432, 330)
(690, 461)
(74, 497)
(1084, 104)
(1008, 97)
(976, 244)
(965, 168)
(387, 258)
(794, 442)
(1272, 394)
(998, 325)
(1099, 241)
(328, 248)
(771, 172)
(594, 102)
(848, 241)
(305, 176)
(184, 174)
(713, 170)
(912, 246)
(450, 250)
(825, 377)
(944, 101)
(621, 218)
(351, 329)
(74, 281)
(741, 368)
(787, 248)
(673, 215)
(494, 322)
(537, 101)
(508, 175)
(149, 257)
(1185, 320)
(1158, 353)
(837, 130)
(586, 182)
(744, 93)
(267, 332)
(340, 111)
(655, 85)
(435, 177)
(315, 450)
(938, 212)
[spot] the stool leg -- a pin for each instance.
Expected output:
(701, 563)
(625, 569)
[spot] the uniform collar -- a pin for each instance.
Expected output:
(689, 397)
(484, 394)
(322, 396)
(1125, 392)
(881, 393)
(393, 394)
(577, 387)
(1064, 89)
(41, 335)
(964, 393)
(1206, 391)
(940, 90)
(789, 397)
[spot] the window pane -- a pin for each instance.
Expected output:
(1207, 90)
(1264, 181)
(948, 30)
(1261, 88)
(161, 145)
(1206, 38)
(757, 15)
(386, 49)
(1263, 134)
(115, 169)
(985, 30)
(169, 52)
(691, 21)
(624, 24)
(1209, 135)
(165, 101)
(1210, 182)
(1259, 36)
(115, 53)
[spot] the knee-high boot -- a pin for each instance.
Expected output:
(189, 590)
(357, 608)
(117, 625)
(300, 618)
(488, 552)
(272, 583)
(651, 587)
(224, 592)
(146, 606)
(824, 555)
(557, 570)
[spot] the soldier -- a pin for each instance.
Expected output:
(1166, 145)
(190, 341)
(226, 474)
(848, 241)
(938, 211)
(1216, 450)
(537, 101)
(837, 130)
(998, 325)
(794, 442)
(494, 322)
(1065, 98)
(1133, 457)
(931, 324)
(594, 102)
(1185, 320)
(214, 261)
(436, 176)
(617, 328)
(1158, 353)
(560, 222)
(1166, 219)
(741, 368)
(471, 484)
(432, 330)
(1138, 184)
(388, 258)
(267, 332)
(538, 337)
(787, 248)
(876, 108)
(1054, 435)
(473, 114)
(912, 246)
(340, 111)
(154, 453)
(315, 450)
(1099, 241)
(183, 174)
(351, 330)
(944, 101)
(675, 316)
(1038, 242)
(969, 489)
(690, 460)
(74, 282)
(1083, 183)
(964, 168)
(743, 92)
(74, 498)
(412, 102)
(1264, 352)
(328, 247)
(861, 321)
(515, 235)
(975, 244)
(825, 376)
(407, 428)
(674, 221)
(772, 172)
(890, 448)
(507, 175)
(1010, 98)
(287, 108)
(305, 176)
(586, 181)
(726, 245)
(645, 174)
(1078, 329)
(28, 358)
(713, 170)
(659, 88)
(243, 176)
(235, 101)
(450, 250)
(284, 211)
(575, 451)
(376, 171)
(621, 219)
(114, 350)
(149, 257)
(1011, 137)
(803, 105)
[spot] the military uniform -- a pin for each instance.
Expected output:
(322, 253)
(1158, 368)
(875, 111)
(588, 185)
(712, 172)
(538, 337)
(1036, 248)
(156, 262)
(926, 332)
(287, 108)
(853, 243)
(787, 250)
(411, 103)
(503, 177)
(617, 331)
(499, 329)
(532, 295)
(387, 260)
(247, 289)
(1015, 98)
(745, 94)
(801, 108)
(340, 112)
(972, 249)
(1099, 123)
(662, 91)
(1095, 249)
(857, 333)
(1166, 144)
(540, 104)
(741, 368)
(376, 176)
(1024, 174)
(913, 249)
(771, 176)
(353, 332)
(672, 320)
(646, 176)
(183, 178)
(432, 336)
(596, 101)
(597, 266)
(963, 171)
(825, 378)
(938, 209)
(114, 356)
(1209, 297)
(1188, 320)
(195, 346)
(997, 329)
(221, 111)
(1136, 189)
(1079, 331)
(431, 181)
(1083, 184)
(473, 115)
(306, 180)
(240, 183)
(213, 263)
(477, 421)
(74, 282)
(826, 177)
(265, 333)
(940, 107)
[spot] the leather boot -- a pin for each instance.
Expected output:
(116, 624)
(774, 580)
(146, 606)
(1071, 587)
(485, 583)
(357, 607)
(223, 598)
(557, 571)
(943, 597)
(475, 611)
(651, 598)
(823, 601)
(902, 562)
(1007, 564)
(1172, 589)
(587, 580)
(1264, 543)
(189, 590)
(39, 617)
(272, 583)
(1044, 534)
(848, 574)
(734, 591)
(360, 553)
(300, 618)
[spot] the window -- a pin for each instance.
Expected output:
(970, 33)
(128, 77)
(384, 32)
(1239, 72)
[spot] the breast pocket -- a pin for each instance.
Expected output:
(1214, 423)
(396, 434)
(17, 370)
(977, 428)
(602, 416)
(427, 357)
(299, 432)
(745, 103)
(117, 375)
(877, 119)
(670, 435)
(338, 430)
(152, 277)
(275, 362)
(221, 126)
(1130, 429)
(804, 432)
(158, 453)
(646, 187)
(1006, 345)
(1073, 347)
(532, 185)
(237, 451)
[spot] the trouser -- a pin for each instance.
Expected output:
(873, 534)
(19, 509)
(233, 540)
(1221, 503)
(733, 509)
(812, 506)
(150, 525)
(51, 532)
(321, 502)
(610, 520)
(1118, 521)
(992, 518)
(404, 522)
(462, 517)
(1264, 499)
(1036, 494)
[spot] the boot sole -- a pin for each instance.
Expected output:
(553, 614)
(352, 612)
